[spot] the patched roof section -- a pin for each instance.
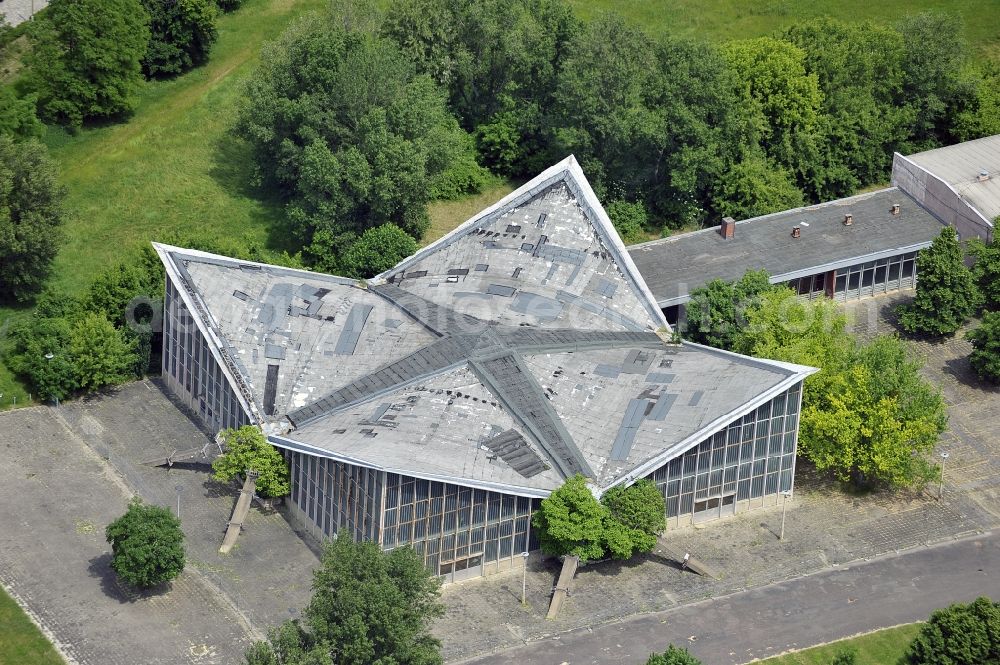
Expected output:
(448, 426)
(294, 335)
(626, 406)
(545, 256)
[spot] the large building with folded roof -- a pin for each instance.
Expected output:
(436, 404)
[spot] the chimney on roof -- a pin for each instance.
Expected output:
(796, 231)
(895, 208)
(848, 219)
(728, 228)
(984, 175)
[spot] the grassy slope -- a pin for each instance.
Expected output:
(721, 20)
(883, 647)
(21, 643)
(171, 166)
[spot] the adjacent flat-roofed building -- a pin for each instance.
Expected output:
(435, 405)
(848, 249)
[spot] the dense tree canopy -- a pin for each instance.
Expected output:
(31, 213)
(368, 606)
(246, 448)
(147, 545)
(181, 35)
(716, 313)
(86, 57)
(986, 270)
(959, 635)
(946, 292)
(351, 152)
(377, 250)
(985, 356)
(636, 516)
(17, 115)
(571, 521)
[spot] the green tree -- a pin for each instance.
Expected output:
(147, 545)
(636, 515)
(981, 117)
(673, 656)
(876, 420)
(101, 354)
(985, 356)
(571, 521)
(755, 187)
(959, 635)
(350, 152)
(288, 644)
(246, 448)
(946, 292)
(372, 606)
(986, 270)
(38, 353)
(31, 214)
(85, 61)
(629, 219)
(377, 250)
(716, 313)
(115, 290)
(17, 115)
(181, 35)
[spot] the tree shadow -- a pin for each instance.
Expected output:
(961, 369)
(232, 169)
(100, 569)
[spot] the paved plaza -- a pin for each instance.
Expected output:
(68, 471)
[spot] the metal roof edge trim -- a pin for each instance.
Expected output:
(711, 428)
(196, 254)
(763, 363)
(297, 446)
(166, 257)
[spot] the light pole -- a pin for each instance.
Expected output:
(944, 458)
(48, 360)
(784, 502)
(179, 488)
(524, 579)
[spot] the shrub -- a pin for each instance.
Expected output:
(147, 545)
(377, 250)
(629, 219)
(985, 356)
(181, 35)
(673, 656)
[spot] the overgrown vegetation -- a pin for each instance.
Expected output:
(246, 449)
(147, 545)
(626, 521)
(673, 656)
(368, 606)
(960, 634)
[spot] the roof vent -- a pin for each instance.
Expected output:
(984, 175)
(848, 219)
(895, 208)
(796, 231)
(728, 228)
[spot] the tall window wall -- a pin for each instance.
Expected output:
(336, 497)
(863, 280)
(737, 467)
(191, 371)
(461, 532)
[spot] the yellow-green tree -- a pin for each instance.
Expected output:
(246, 448)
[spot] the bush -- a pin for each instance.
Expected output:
(85, 62)
(959, 635)
(181, 35)
(629, 219)
(985, 356)
(673, 656)
(147, 545)
(31, 212)
(377, 250)
(246, 448)
(17, 115)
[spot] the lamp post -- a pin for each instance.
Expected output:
(48, 360)
(524, 579)
(179, 488)
(784, 501)
(944, 458)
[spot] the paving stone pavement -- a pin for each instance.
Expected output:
(824, 526)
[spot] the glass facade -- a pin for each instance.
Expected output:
(737, 467)
(335, 496)
(191, 371)
(460, 531)
(863, 280)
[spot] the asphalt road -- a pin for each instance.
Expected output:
(811, 610)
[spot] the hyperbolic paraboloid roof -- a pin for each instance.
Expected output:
(518, 350)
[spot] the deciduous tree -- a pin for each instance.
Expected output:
(85, 62)
(717, 312)
(959, 635)
(985, 356)
(636, 515)
(147, 545)
(181, 35)
(986, 270)
(571, 521)
(31, 214)
(946, 292)
(629, 219)
(246, 448)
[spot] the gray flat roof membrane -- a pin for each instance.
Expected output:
(349, 336)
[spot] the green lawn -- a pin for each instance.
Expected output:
(737, 19)
(21, 643)
(883, 647)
